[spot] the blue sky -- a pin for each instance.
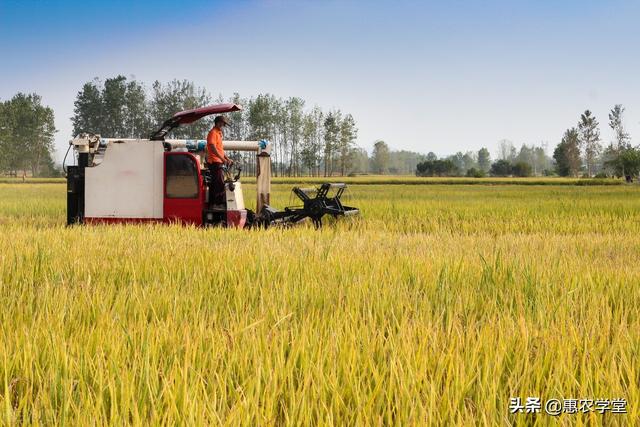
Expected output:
(424, 76)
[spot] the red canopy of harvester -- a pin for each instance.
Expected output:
(190, 116)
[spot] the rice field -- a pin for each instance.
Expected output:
(435, 307)
(387, 180)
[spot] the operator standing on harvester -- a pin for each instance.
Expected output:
(216, 159)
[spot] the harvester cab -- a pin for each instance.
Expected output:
(120, 180)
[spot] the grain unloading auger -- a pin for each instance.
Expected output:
(163, 180)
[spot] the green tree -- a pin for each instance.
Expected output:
(261, 117)
(238, 129)
(312, 137)
(629, 161)
(475, 173)
(506, 150)
(116, 109)
(470, 160)
(542, 162)
(380, 157)
(626, 163)
(27, 130)
(331, 139)
(567, 154)
(360, 160)
(178, 95)
(501, 167)
(294, 122)
(280, 124)
(522, 169)
(438, 167)
(346, 141)
(6, 127)
(621, 141)
(136, 122)
(484, 159)
(404, 162)
(458, 161)
(525, 155)
(113, 107)
(88, 113)
(41, 148)
(589, 140)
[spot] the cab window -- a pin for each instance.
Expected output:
(181, 177)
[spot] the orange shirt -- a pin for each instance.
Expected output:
(214, 138)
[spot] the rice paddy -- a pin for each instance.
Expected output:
(435, 307)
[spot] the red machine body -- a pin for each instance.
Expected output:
(186, 210)
(184, 196)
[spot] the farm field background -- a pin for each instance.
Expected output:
(435, 306)
(397, 179)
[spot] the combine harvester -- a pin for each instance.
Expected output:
(163, 180)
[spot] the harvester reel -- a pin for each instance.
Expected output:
(316, 203)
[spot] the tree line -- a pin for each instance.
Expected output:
(306, 141)
(580, 152)
(527, 161)
(26, 136)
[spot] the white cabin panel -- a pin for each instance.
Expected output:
(235, 201)
(128, 183)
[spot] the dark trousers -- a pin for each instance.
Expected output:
(216, 189)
